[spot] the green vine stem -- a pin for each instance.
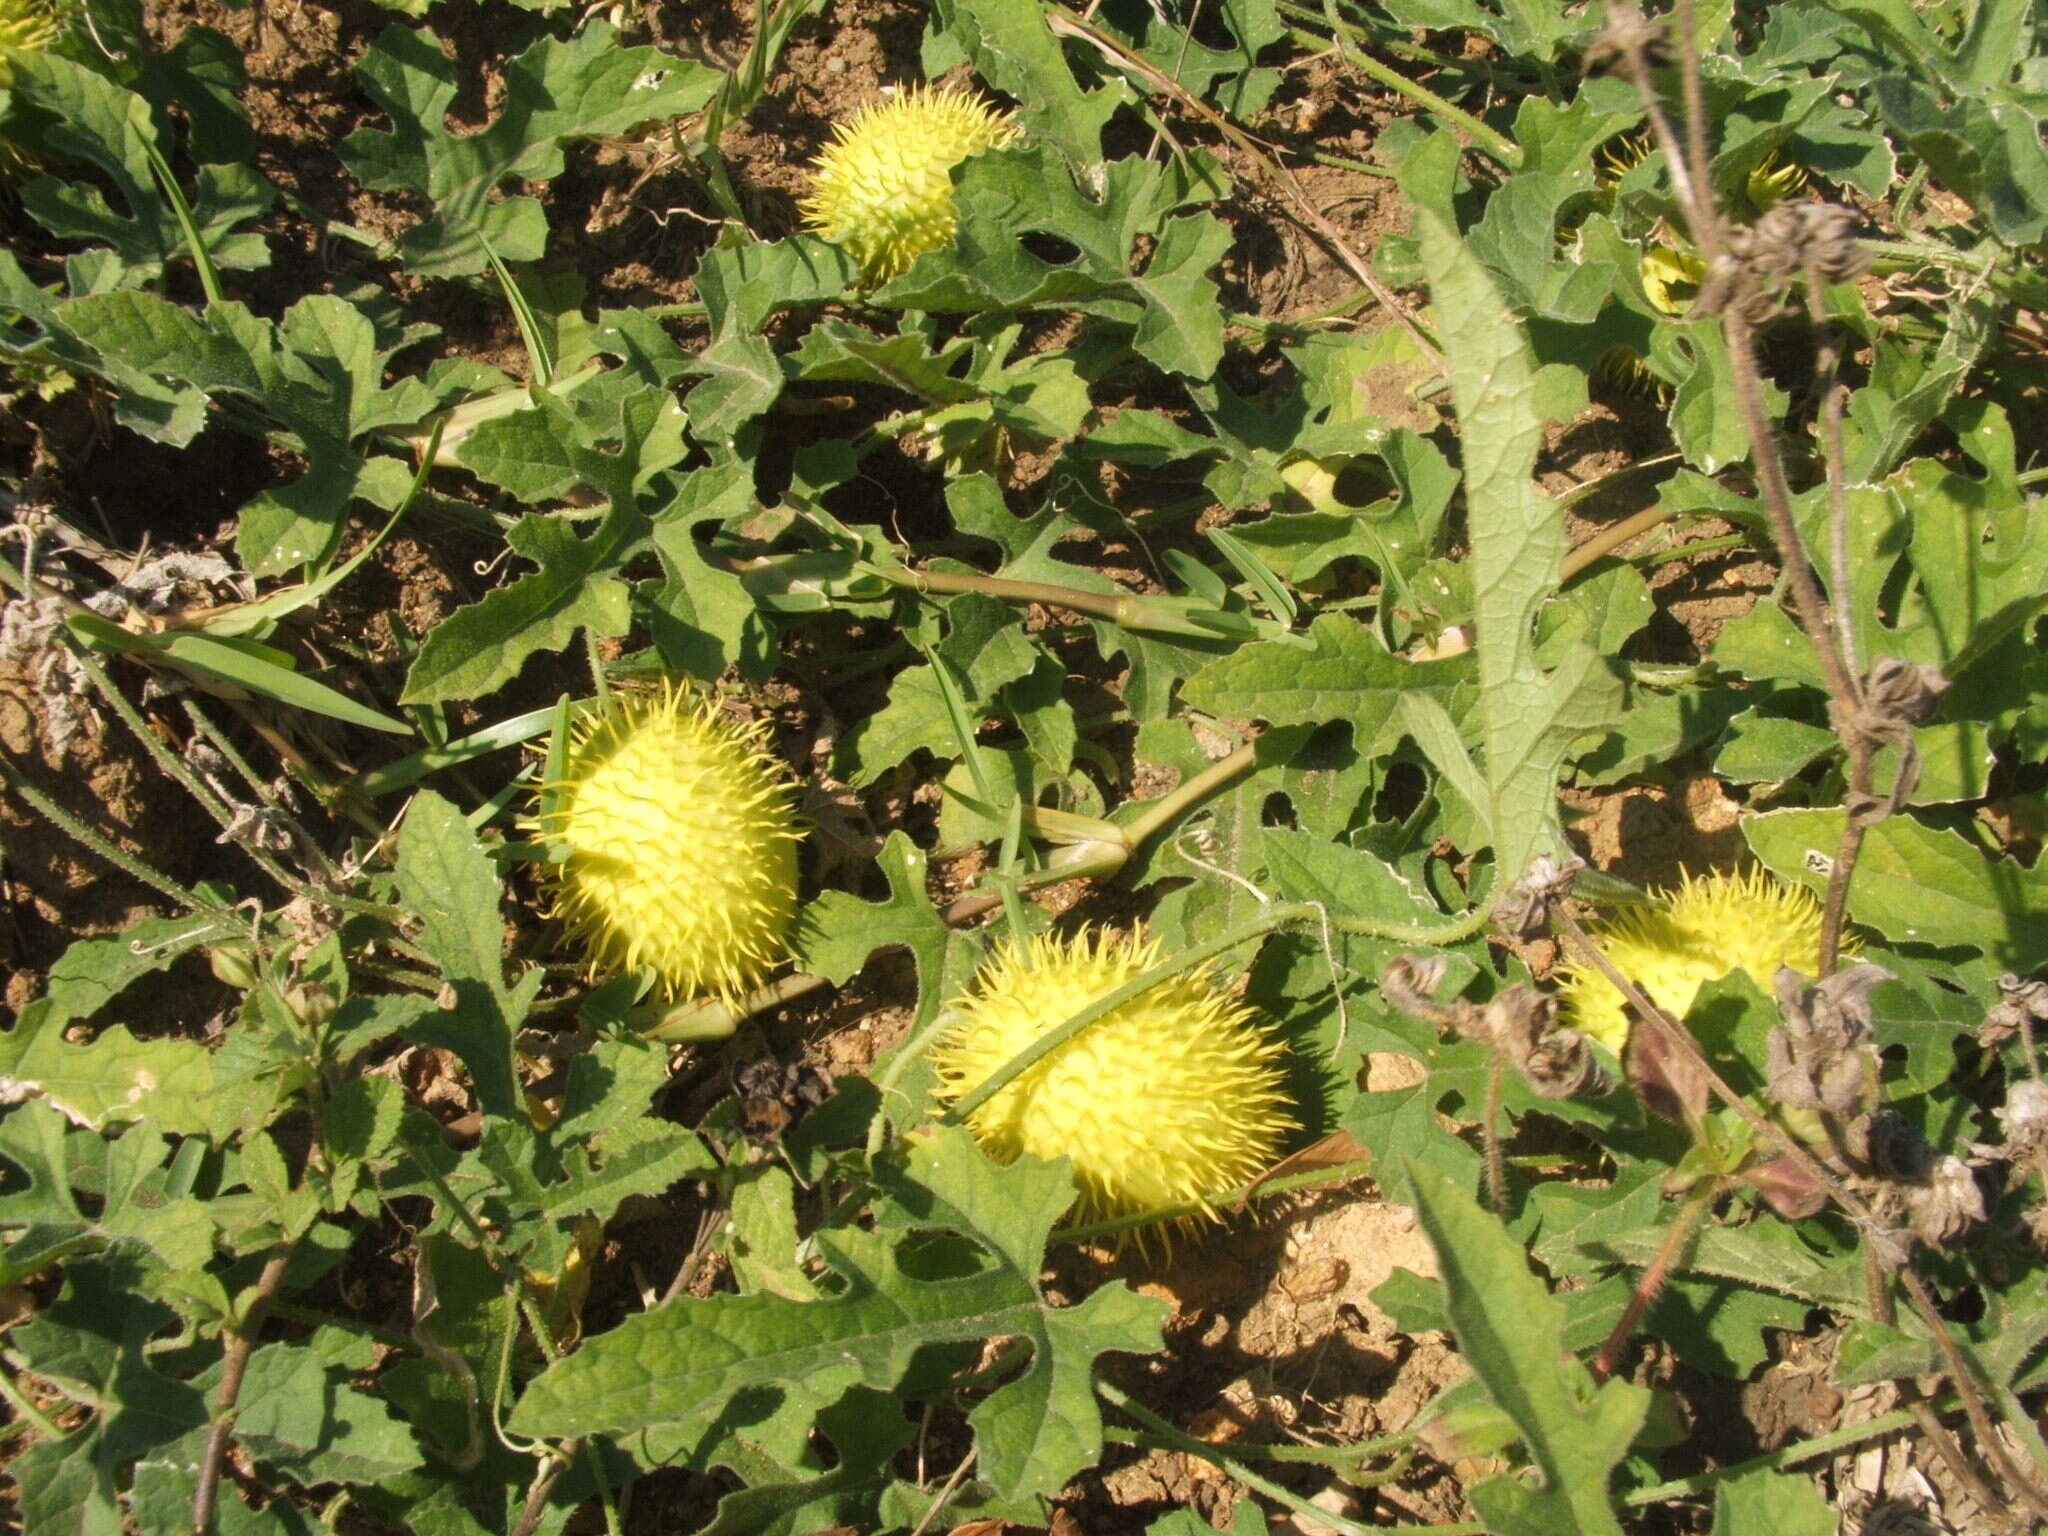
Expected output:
(1226, 1458)
(188, 227)
(86, 837)
(1156, 614)
(712, 1018)
(1485, 137)
(1785, 1456)
(1083, 860)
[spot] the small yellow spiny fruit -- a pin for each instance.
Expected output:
(1671, 278)
(1170, 1100)
(1772, 181)
(26, 26)
(1713, 928)
(883, 188)
(680, 844)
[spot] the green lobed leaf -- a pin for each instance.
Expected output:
(447, 879)
(683, 1362)
(1528, 717)
(1016, 51)
(791, 1490)
(1988, 151)
(837, 932)
(126, 1210)
(481, 648)
(1336, 670)
(103, 125)
(93, 972)
(299, 1414)
(555, 91)
(1916, 884)
(318, 374)
(111, 1078)
(1511, 1331)
(1783, 1503)
(92, 1344)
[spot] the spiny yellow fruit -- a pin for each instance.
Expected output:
(26, 26)
(1169, 1101)
(883, 189)
(679, 843)
(1621, 367)
(1712, 928)
(1772, 180)
(1671, 278)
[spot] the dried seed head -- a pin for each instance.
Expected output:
(1409, 984)
(1947, 1205)
(1523, 912)
(1712, 928)
(1763, 259)
(1819, 1056)
(1170, 1100)
(883, 188)
(2024, 1119)
(2020, 1006)
(1629, 41)
(679, 842)
(1520, 1022)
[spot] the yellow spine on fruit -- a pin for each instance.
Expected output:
(1164, 1104)
(1712, 928)
(883, 188)
(677, 844)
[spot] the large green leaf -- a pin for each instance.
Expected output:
(1529, 717)
(298, 1413)
(1015, 49)
(445, 877)
(1005, 194)
(1511, 1332)
(1785, 1504)
(318, 374)
(111, 1078)
(93, 972)
(621, 452)
(1338, 670)
(554, 92)
(100, 124)
(33, 335)
(1916, 884)
(838, 931)
(92, 1344)
(125, 1209)
(686, 1361)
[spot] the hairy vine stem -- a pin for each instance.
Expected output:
(17, 783)
(1676, 1239)
(240, 1347)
